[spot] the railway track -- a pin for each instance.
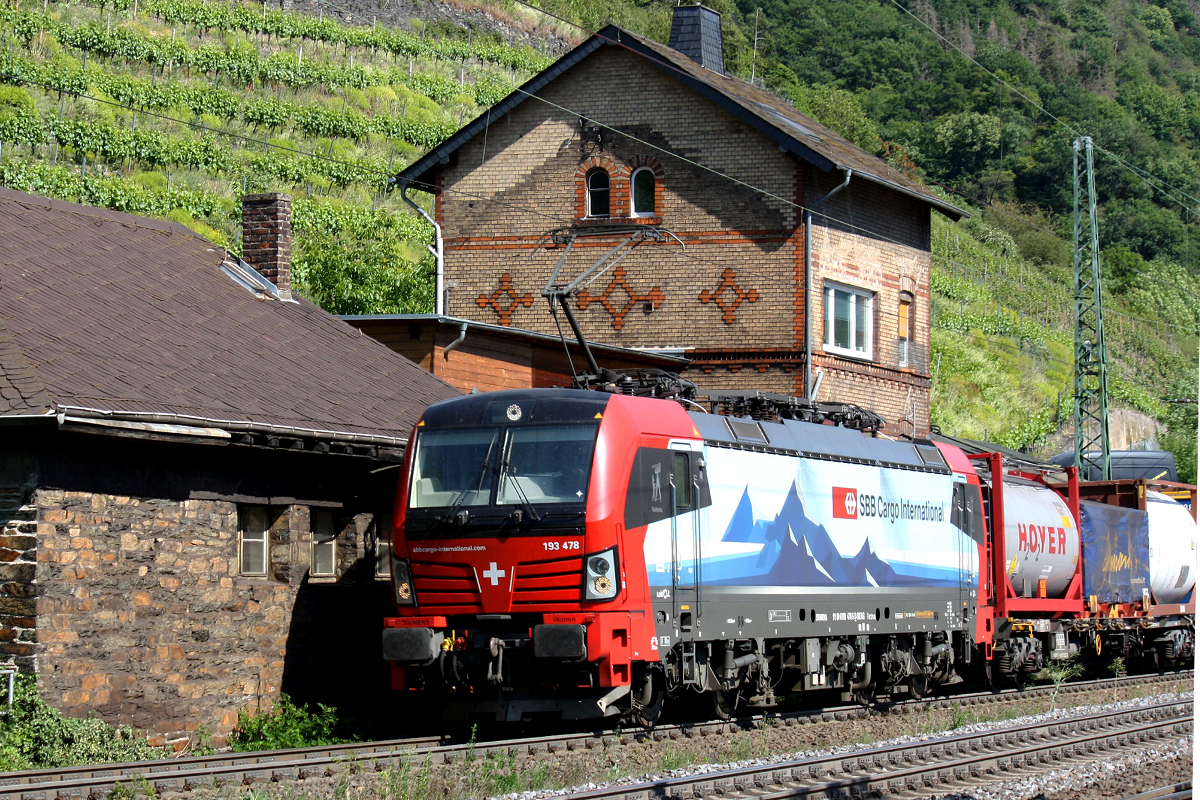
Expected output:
(947, 763)
(247, 768)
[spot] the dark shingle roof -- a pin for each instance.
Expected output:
(134, 318)
(762, 110)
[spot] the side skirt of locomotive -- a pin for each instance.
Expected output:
(753, 652)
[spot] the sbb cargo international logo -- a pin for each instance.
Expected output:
(845, 503)
(849, 504)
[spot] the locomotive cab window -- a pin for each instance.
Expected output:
(453, 467)
(682, 481)
(518, 465)
(546, 464)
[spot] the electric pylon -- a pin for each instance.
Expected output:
(1091, 363)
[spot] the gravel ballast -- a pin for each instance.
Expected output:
(527, 777)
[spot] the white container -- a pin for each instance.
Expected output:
(1172, 549)
(1041, 540)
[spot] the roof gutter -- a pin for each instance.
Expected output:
(439, 301)
(14, 419)
(78, 414)
(808, 326)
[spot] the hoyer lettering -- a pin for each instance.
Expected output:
(1041, 539)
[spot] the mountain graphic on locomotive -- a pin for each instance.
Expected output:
(581, 553)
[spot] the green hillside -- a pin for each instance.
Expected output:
(174, 108)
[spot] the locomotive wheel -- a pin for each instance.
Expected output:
(725, 702)
(648, 707)
(918, 685)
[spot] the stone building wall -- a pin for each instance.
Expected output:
(131, 605)
(144, 619)
(18, 567)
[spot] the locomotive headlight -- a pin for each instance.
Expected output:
(402, 583)
(600, 581)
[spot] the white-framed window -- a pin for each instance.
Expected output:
(641, 198)
(849, 321)
(253, 540)
(597, 193)
(324, 545)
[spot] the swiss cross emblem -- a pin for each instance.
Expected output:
(493, 574)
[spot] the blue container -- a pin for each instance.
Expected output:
(1116, 552)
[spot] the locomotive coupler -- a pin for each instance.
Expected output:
(495, 670)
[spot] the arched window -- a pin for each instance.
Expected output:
(597, 193)
(906, 324)
(642, 196)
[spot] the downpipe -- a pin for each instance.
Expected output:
(439, 301)
(808, 326)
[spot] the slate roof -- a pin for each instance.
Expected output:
(108, 314)
(758, 108)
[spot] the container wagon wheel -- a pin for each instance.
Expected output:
(918, 685)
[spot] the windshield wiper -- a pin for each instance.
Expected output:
(451, 514)
(506, 467)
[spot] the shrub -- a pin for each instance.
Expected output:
(287, 725)
(35, 736)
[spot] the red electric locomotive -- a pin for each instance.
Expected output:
(589, 554)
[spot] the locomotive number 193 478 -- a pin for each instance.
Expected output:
(569, 544)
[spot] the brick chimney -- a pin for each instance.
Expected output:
(267, 238)
(696, 32)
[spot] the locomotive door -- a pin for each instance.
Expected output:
(686, 575)
(959, 517)
(967, 515)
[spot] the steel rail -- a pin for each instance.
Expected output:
(920, 765)
(180, 773)
(1176, 791)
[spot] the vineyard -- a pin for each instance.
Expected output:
(175, 108)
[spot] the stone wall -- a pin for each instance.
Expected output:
(144, 619)
(120, 585)
(18, 566)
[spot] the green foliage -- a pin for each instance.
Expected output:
(962, 129)
(287, 725)
(35, 736)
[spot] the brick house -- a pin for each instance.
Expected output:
(196, 465)
(707, 180)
